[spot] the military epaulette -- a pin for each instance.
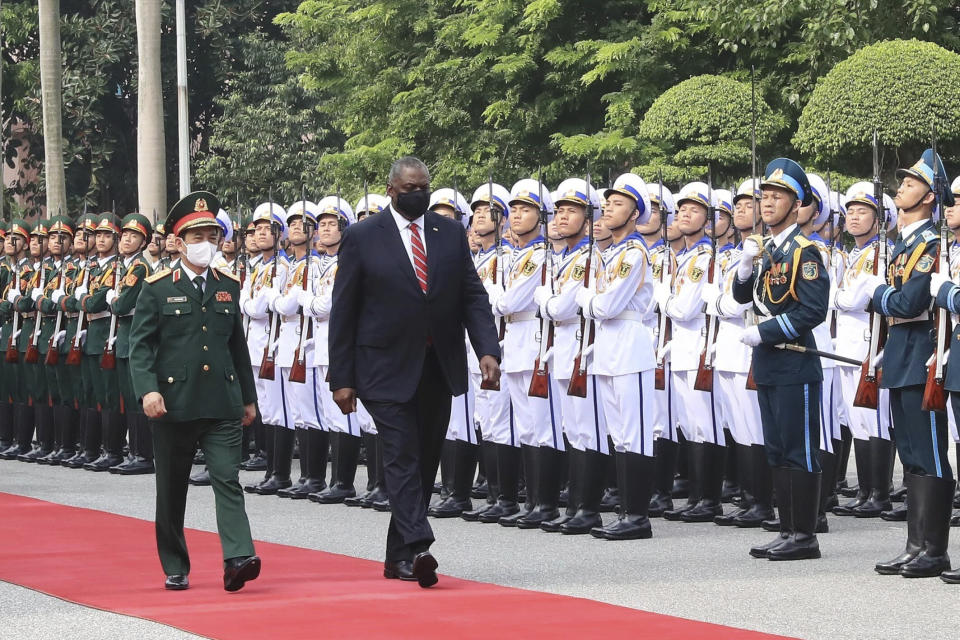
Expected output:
(229, 274)
(635, 244)
(159, 275)
(803, 241)
(928, 235)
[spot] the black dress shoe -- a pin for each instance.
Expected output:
(256, 463)
(239, 571)
(897, 514)
(497, 511)
(450, 507)
(381, 505)
(122, 465)
(955, 519)
(293, 488)
(400, 570)
(659, 503)
(425, 569)
(305, 488)
(377, 496)
(200, 478)
(139, 466)
(176, 583)
(336, 494)
(271, 486)
(357, 501)
(104, 462)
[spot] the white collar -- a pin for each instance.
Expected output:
(403, 223)
(193, 276)
(780, 237)
(910, 228)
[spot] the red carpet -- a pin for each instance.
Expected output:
(109, 562)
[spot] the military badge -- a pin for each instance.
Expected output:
(224, 296)
(868, 266)
(482, 274)
(656, 270)
(624, 270)
(924, 264)
(130, 280)
(810, 270)
(696, 274)
(529, 268)
(578, 271)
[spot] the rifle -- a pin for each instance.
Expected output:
(934, 396)
(540, 382)
(240, 252)
(108, 360)
(267, 364)
(298, 371)
(751, 315)
(832, 313)
(53, 354)
(663, 320)
(704, 380)
(490, 385)
(75, 356)
(868, 389)
(33, 351)
(578, 381)
(13, 355)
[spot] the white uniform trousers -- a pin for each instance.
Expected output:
(583, 418)
(738, 407)
(305, 407)
(952, 421)
(538, 420)
(273, 399)
(695, 411)
(367, 425)
(462, 424)
(494, 413)
(829, 420)
(627, 402)
(664, 419)
(334, 420)
(864, 423)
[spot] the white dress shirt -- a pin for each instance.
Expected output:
(404, 226)
(193, 277)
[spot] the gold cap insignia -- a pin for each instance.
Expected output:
(201, 205)
(777, 175)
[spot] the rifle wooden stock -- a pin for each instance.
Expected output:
(298, 371)
(12, 356)
(53, 354)
(540, 382)
(934, 396)
(33, 354)
(267, 365)
(75, 356)
(108, 360)
(704, 381)
(578, 381)
(660, 372)
(868, 389)
(751, 383)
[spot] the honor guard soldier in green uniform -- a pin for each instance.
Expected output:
(6, 320)
(135, 231)
(15, 249)
(191, 370)
(790, 294)
(904, 296)
(32, 371)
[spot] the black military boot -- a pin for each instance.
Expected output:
(914, 534)
(591, 474)
(550, 465)
(881, 462)
(378, 500)
(731, 476)
(761, 488)
(56, 419)
(318, 449)
(92, 439)
(66, 417)
(6, 426)
(26, 431)
(282, 462)
(43, 414)
(694, 466)
(804, 508)
(268, 443)
(480, 487)
(635, 478)
(843, 460)
(303, 451)
(861, 451)
(346, 452)
(488, 452)
(710, 484)
(464, 471)
(370, 445)
(828, 469)
(744, 481)
(142, 462)
(781, 483)
(936, 502)
(113, 432)
(681, 481)
(574, 491)
(447, 453)
(611, 496)
(528, 465)
(132, 445)
(81, 440)
(665, 456)
(508, 477)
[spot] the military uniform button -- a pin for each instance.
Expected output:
(204, 327)
(204, 309)
(177, 312)
(170, 379)
(206, 367)
(206, 348)
(231, 377)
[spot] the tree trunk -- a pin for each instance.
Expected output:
(151, 158)
(51, 75)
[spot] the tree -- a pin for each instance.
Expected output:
(151, 156)
(901, 88)
(51, 69)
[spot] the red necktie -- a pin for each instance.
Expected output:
(419, 256)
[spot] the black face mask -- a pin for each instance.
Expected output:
(413, 204)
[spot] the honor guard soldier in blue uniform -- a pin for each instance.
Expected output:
(790, 294)
(921, 436)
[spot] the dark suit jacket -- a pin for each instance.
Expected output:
(380, 320)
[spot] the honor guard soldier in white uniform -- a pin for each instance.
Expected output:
(738, 404)
(370, 204)
(583, 418)
(263, 286)
(693, 410)
(851, 298)
(492, 406)
(227, 255)
(952, 217)
(623, 354)
(538, 419)
(790, 292)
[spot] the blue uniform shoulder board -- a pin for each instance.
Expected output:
(803, 241)
(928, 235)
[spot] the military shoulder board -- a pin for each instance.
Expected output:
(159, 275)
(929, 235)
(229, 274)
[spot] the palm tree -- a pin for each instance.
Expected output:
(151, 159)
(51, 75)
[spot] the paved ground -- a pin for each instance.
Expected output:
(697, 571)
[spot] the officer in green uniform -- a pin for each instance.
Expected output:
(790, 294)
(191, 370)
(135, 232)
(15, 248)
(6, 319)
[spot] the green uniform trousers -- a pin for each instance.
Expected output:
(106, 393)
(174, 445)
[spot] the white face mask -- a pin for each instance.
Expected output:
(201, 254)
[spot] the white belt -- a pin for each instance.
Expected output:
(97, 316)
(523, 316)
(923, 317)
(564, 323)
(629, 314)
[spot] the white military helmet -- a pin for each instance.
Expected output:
(955, 186)
(530, 191)
(724, 201)
(481, 196)
(632, 186)
(821, 199)
(272, 212)
(697, 192)
(891, 208)
(226, 224)
(862, 193)
(371, 203)
(454, 199)
(336, 206)
(297, 209)
(657, 192)
(577, 191)
(838, 208)
(747, 188)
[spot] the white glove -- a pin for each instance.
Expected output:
(58, 338)
(111, 296)
(12, 295)
(79, 292)
(541, 294)
(305, 298)
(584, 297)
(661, 293)
(873, 282)
(110, 342)
(832, 297)
(710, 293)
(35, 293)
(57, 296)
(745, 268)
(494, 291)
(83, 335)
(936, 281)
(751, 336)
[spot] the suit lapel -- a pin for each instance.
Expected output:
(395, 249)
(212, 285)
(431, 235)
(186, 285)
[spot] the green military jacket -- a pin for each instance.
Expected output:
(56, 277)
(94, 304)
(189, 349)
(6, 309)
(29, 278)
(123, 305)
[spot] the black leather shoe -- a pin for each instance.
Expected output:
(897, 514)
(293, 488)
(239, 571)
(704, 511)
(271, 486)
(499, 510)
(256, 463)
(400, 570)
(763, 550)
(378, 495)
(660, 503)
(336, 493)
(139, 466)
(726, 520)
(104, 462)
(382, 506)
(955, 519)
(951, 577)
(425, 569)
(176, 583)
(308, 486)
(449, 507)
(200, 478)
